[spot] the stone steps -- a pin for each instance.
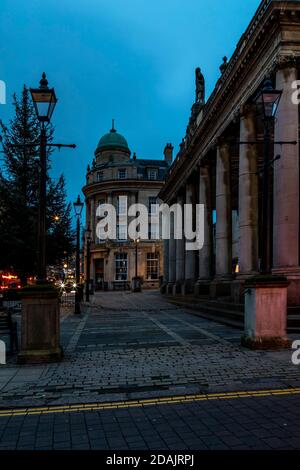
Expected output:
(226, 312)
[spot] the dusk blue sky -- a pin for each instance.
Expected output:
(132, 60)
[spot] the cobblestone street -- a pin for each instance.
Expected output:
(133, 347)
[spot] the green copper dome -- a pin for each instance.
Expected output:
(113, 140)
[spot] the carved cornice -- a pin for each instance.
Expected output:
(120, 185)
(260, 52)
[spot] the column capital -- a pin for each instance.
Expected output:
(222, 142)
(285, 61)
(248, 109)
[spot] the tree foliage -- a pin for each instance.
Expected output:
(19, 195)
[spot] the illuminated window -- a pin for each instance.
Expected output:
(121, 263)
(152, 266)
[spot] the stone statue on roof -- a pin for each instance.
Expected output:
(200, 87)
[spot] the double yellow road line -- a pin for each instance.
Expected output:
(148, 402)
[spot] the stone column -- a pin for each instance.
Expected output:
(190, 258)
(88, 212)
(88, 224)
(180, 253)
(92, 218)
(172, 257)
(248, 195)
(286, 186)
(166, 261)
(221, 286)
(93, 240)
(202, 286)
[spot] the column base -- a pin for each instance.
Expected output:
(40, 356)
(202, 287)
(293, 276)
(273, 344)
(169, 288)
(177, 288)
(163, 288)
(220, 287)
(187, 287)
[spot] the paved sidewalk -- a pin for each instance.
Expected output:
(128, 346)
(244, 423)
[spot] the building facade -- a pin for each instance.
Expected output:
(220, 165)
(121, 180)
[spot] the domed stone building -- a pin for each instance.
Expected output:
(117, 178)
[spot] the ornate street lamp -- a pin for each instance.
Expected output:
(267, 102)
(88, 236)
(44, 100)
(78, 206)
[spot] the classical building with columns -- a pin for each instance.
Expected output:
(121, 180)
(220, 165)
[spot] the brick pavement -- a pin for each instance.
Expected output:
(127, 346)
(248, 423)
(136, 346)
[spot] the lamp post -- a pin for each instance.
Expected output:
(136, 281)
(137, 241)
(78, 206)
(40, 343)
(88, 263)
(267, 101)
(44, 100)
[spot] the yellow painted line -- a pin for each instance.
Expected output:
(147, 402)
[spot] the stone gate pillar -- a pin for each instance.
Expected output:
(286, 186)
(221, 285)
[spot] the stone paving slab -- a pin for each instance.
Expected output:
(136, 345)
(263, 423)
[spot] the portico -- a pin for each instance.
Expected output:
(220, 165)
